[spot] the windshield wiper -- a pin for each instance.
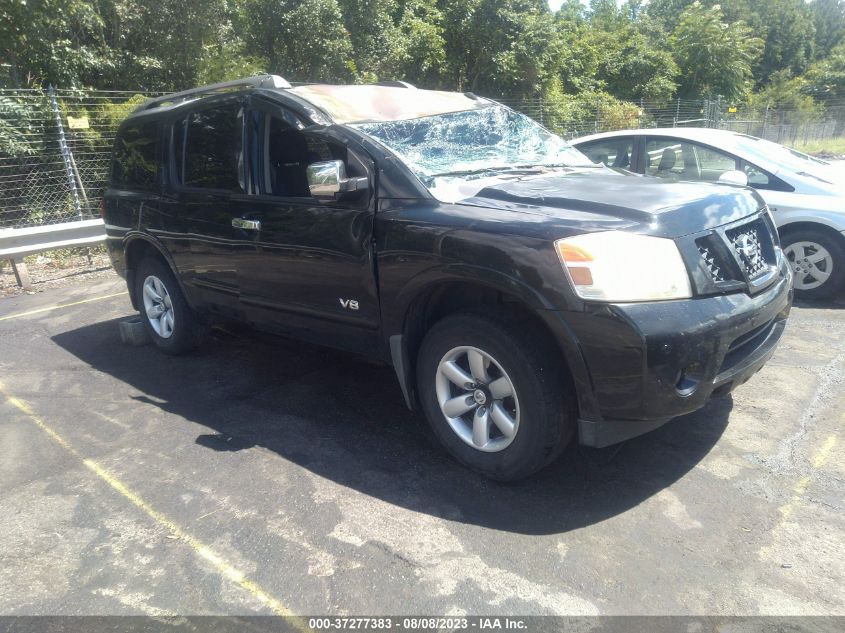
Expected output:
(809, 175)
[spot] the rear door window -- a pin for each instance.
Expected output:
(135, 153)
(211, 156)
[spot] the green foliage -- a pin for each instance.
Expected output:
(788, 94)
(826, 79)
(301, 40)
(633, 67)
(594, 111)
(51, 40)
(789, 38)
(714, 58)
(829, 21)
(787, 50)
(22, 126)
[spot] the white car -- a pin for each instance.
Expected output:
(806, 195)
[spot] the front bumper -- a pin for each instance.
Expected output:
(650, 362)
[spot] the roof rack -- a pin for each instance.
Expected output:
(259, 81)
(395, 83)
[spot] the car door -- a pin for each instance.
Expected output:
(680, 159)
(312, 273)
(207, 192)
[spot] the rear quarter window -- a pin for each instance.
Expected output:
(134, 161)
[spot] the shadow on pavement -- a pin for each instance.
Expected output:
(344, 419)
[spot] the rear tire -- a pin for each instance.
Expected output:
(497, 398)
(817, 260)
(170, 323)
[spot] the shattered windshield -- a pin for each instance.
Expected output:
(473, 143)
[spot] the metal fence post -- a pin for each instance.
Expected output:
(598, 114)
(66, 156)
(765, 121)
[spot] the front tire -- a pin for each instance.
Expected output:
(169, 322)
(817, 260)
(496, 398)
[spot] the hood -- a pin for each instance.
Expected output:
(606, 200)
(822, 179)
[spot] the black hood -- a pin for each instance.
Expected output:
(605, 200)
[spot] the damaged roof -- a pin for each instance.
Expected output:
(364, 103)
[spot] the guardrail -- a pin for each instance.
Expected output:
(15, 244)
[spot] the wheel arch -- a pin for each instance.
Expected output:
(433, 301)
(135, 248)
(796, 226)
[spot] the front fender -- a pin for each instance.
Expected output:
(830, 220)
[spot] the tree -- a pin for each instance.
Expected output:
(161, 44)
(829, 20)
(374, 36)
(633, 68)
(825, 80)
(667, 12)
(633, 62)
(302, 40)
(51, 41)
(789, 38)
(714, 58)
(485, 38)
(423, 56)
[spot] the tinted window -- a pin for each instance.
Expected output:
(212, 156)
(614, 152)
(134, 165)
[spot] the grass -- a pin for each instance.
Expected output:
(824, 148)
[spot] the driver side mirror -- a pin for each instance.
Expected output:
(734, 177)
(327, 181)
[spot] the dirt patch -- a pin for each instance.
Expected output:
(57, 269)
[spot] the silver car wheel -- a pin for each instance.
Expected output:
(158, 307)
(477, 398)
(811, 263)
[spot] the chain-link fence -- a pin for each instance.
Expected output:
(572, 117)
(55, 145)
(54, 152)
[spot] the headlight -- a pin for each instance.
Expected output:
(619, 267)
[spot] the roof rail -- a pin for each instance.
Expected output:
(395, 83)
(259, 81)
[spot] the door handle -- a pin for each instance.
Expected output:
(247, 225)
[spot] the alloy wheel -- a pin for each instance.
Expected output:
(811, 262)
(477, 398)
(158, 307)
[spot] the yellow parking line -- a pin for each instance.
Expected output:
(817, 461)
(224, 568)
(824, 452)
(62, 305)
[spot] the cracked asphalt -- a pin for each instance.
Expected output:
(263, 476)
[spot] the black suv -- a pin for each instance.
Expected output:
(521, 293)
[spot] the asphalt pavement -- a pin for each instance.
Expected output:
(261, 476)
